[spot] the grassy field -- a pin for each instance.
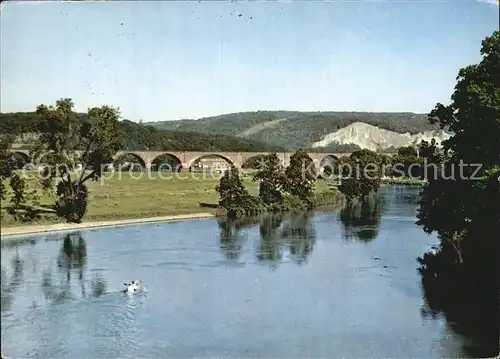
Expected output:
(123, 196)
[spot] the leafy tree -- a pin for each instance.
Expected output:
(407, 151)
(62, 135)
(428, 150)
(23, 200)
(279, 191)
(254, 162)
(404, 165)
(6, 165)
(300, 176)
(430, 156)
(234, 197)
(461, 277)
(361, 175)
(334, 168)
(271, 179)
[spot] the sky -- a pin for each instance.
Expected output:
(169, 60)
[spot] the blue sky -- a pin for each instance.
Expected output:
(164, 60)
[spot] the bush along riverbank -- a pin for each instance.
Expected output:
(404, 181)
(361, 180)
(289, 189)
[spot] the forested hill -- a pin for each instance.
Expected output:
(293, 129)
(135, 136)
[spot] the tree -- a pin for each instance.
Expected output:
(255, 162)
(428, 150)
(407, 164)
(234, 197)
(430, 157)
(6, 165)
(271, 179)
(62, 135)
(300, 176)
(407, 151)
(461, 277)
(23, 200)
(361, 175)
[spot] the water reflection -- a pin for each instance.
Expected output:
(73, 255)
(301, 235)
(362, 219)
(468, 303)
(279, 234)
(269, 245)
(71, 263)
(232, 237)
(478, 325)
(12, 283)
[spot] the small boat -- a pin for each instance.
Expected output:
(132, 287)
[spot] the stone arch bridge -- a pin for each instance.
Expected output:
(188, 158)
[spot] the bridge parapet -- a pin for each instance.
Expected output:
(188, 158)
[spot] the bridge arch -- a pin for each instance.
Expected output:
(126, 161)
(166, 162)
(213, 161)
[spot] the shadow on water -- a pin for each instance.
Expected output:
(12, 283)
(57, 284)
(270, 244)
(468, 301)
(71, 264)
(278, 234)
(361, 220)
(232, 238)
(300, 234)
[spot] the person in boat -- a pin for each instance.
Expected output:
(132, 287)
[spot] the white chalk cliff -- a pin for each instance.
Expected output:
(373, 138)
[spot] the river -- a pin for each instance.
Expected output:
(325, 284)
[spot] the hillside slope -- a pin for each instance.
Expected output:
(292, 129)
(135, 136)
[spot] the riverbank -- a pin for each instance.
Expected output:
(32, 230)
(125, 199)
(404, 181)
(326, 201)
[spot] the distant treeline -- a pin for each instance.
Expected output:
(135, 136)
(293, 129)
(336, 148)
